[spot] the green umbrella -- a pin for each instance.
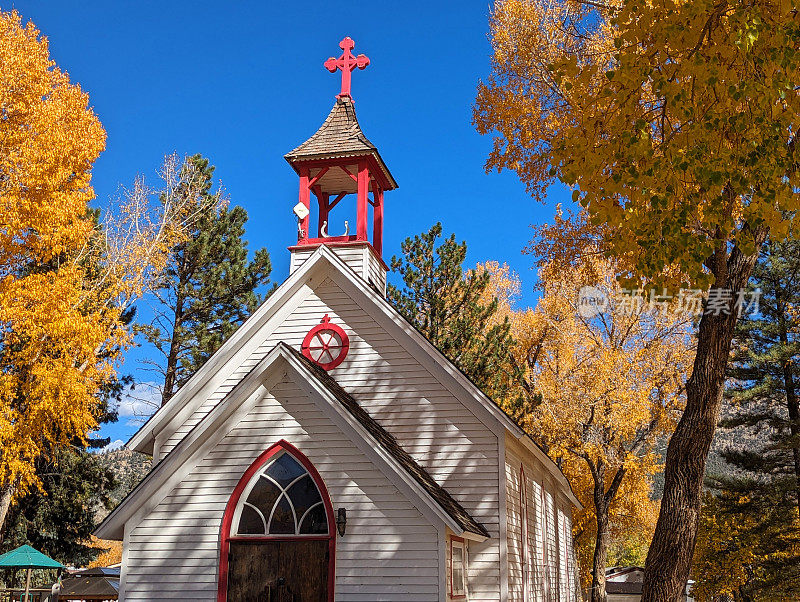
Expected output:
(26, 557)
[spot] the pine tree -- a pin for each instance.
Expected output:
(765, 369)
(59, 518)
(762, 497)
(209, 288)
(446, 304)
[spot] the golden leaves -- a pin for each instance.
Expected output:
(111, 553)
(602, 389)
(673, 121)
(49, 334)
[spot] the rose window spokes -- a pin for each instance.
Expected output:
(325, 346)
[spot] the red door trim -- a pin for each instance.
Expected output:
(227, 518)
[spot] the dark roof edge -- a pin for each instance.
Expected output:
(442, 497)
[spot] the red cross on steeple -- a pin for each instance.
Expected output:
(347, 63)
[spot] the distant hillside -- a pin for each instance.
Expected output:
(129, 467)
(743, 438)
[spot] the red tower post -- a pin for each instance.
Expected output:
(305, 199)
(377, 218)
(361, 203)
(323, 198)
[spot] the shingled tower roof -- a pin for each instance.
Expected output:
(339, 136)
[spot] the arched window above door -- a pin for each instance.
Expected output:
(281, 499)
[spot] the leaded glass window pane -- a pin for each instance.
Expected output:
(251, 522)
(284, 470)
(304, 494)
(264, 495)
(315, 522)
(282, 521)
(283, 499)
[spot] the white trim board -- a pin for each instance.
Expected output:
(223, 418)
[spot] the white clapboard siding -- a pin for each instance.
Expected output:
(437, 429)
(389, 552)
(533, 493)
(376, 273)
(550, 570)
(360, 258)
(568, 562)
(551, 544)
(515, 553)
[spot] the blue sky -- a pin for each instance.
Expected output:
(243, 83)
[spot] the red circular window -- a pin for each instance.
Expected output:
(326, 344)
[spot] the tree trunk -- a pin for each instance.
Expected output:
(793, 405)
(670, 555)
(6, 495)
(600, 553)
(171, 371)
(790, 388)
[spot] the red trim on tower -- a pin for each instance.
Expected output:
(305, 199)
(377, 218)
(361, 202)
(347, 171)
(230, 509)
(329, 239)
(324, 208)
(334, 202)
(317, 177)
(375, 169)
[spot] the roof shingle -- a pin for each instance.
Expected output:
(390, 444)
(340, 135)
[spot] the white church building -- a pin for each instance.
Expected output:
(328, 451)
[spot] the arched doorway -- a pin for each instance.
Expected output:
(278, 540)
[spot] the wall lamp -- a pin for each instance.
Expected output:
(341, 521)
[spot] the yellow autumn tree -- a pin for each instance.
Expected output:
(110, 552)
(747, 549)
(675, 123)
(49, 368)
(64, 278)
(600, 386)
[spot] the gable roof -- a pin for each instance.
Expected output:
(395, 458)
(340, 135)
(390, 444)
(142, 440)
(87, 585)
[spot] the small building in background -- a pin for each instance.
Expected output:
(97, 585)
(624, 584)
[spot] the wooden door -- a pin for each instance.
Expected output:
(278, 571)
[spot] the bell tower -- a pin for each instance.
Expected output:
(338, 163)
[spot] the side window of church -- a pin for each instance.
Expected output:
(458, 568)
(281, 500)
